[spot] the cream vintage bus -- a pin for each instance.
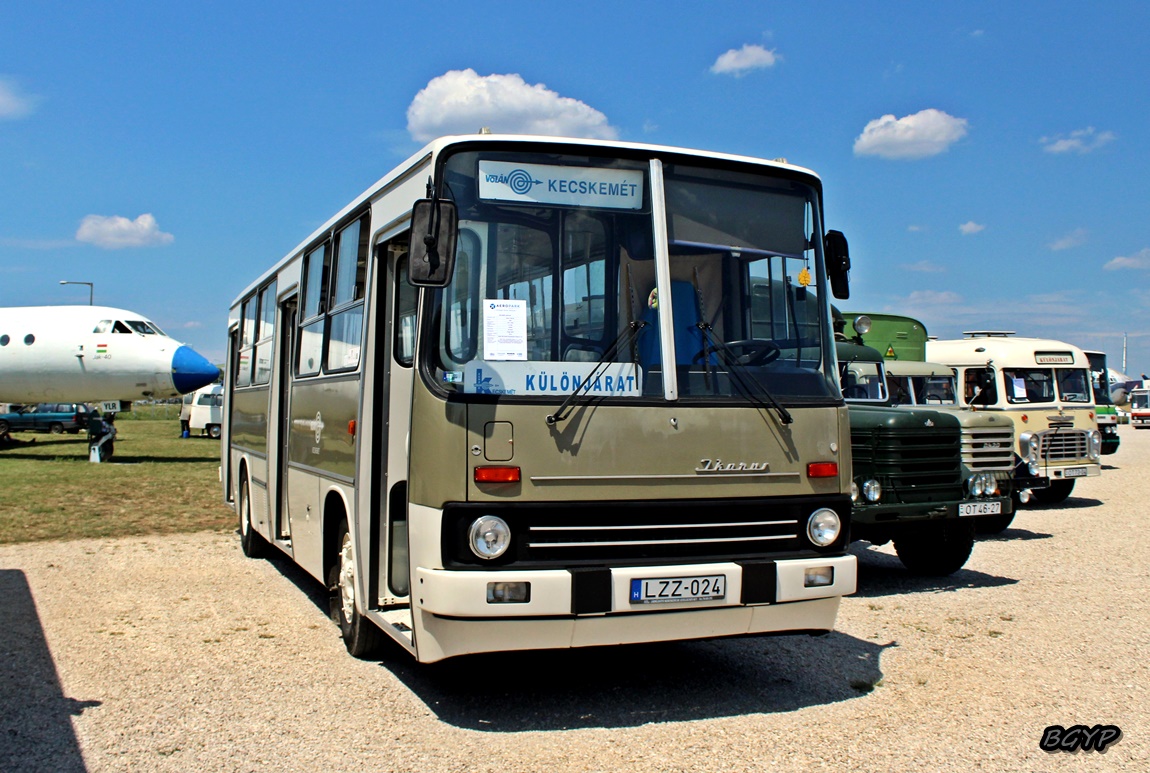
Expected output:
(538, 392)
(1044, 386)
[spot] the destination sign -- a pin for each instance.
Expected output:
(1054, 358)
(570, 185)
(538, 378)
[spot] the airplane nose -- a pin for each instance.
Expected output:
(190, 370)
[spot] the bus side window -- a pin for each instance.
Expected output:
(979, 387)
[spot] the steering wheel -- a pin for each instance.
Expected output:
(758, 351)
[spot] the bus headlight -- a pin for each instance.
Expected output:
(489, 537)
(1033, 468)
(1028, 446)
(872, 490)
(1095, 444)
(823, 527)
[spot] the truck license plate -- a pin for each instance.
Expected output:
(666, 589)
(1074, 472)
(979, 508)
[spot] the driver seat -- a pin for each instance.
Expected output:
(689, 341)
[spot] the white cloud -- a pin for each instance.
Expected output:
(970, 227)
(739, 62)
(115, 232)
(914, 229)
(925, 267)
(463, 102)
(1081, 141)
(1139, 260)
(13, 104)
(926, 133)
(1075, 238)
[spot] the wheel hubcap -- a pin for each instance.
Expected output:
(347, 578)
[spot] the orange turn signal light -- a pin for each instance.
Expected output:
(496, 474)
(823, 470)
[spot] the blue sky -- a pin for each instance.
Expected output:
(989, 162)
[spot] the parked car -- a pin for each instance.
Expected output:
(47, 417)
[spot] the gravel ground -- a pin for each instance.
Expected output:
(180, 654)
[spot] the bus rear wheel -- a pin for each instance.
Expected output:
(1057, 492)
(936, 549)
(361, 636)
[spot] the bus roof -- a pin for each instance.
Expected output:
(420, 159)
(917, 368)
(1006, 352)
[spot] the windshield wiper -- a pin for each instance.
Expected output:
(621, 340)
(740, 376)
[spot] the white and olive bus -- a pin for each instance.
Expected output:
(1044, 386)
(532, 392)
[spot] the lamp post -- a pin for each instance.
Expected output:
(91, 289)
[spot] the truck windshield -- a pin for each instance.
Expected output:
(558, 269)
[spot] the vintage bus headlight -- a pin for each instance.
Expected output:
(1033, 468)
(872, 490)
(823, 527)
(1095, 444)
(1028, 446)
(489, 536)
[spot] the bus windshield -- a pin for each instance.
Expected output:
(558, 280)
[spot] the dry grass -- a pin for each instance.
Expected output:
(157, 483)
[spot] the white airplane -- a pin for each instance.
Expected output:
(92, 353)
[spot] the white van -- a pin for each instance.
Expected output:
(207, 410)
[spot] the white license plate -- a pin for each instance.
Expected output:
(1074, 472)
(667, 589)
(979, 508)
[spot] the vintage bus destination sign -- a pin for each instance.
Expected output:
(537, 378)
(570, 185)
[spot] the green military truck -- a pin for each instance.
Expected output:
(912, 482)
(987, 438)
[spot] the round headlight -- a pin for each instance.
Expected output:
(823, 527)
(862, 324)
(974, 484)
(854, 491)
(872, 490)
(1032, 467)
(489, 536)
(1032, 446)
(989, 484)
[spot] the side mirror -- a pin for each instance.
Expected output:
(838, 263)
(433, 233)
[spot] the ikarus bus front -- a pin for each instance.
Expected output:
(536, 393)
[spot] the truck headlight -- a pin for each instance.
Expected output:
(872, 490)
(823, 527)
(489, 536)
(1095, 444)
(974, 485)
(854, 491)
(989, 484)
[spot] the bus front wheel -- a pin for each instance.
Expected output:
(361, 636)
(251, 542)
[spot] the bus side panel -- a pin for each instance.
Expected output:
(439, 456)
(323, 425)
(249, 419)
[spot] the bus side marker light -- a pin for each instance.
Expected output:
(496, 474)
(823, 470)
(819, 576)
(508, 592)
(351, 427)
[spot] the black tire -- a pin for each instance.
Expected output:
(361, 636)
(937, 549)
(251, 541)
(1057, 492)
(56, 428)
(214, 431)
(3, 427)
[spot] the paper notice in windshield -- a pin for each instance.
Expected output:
(504, 330)
(1019, 388)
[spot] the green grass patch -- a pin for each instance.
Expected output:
(156, 483)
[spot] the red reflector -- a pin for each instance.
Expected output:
(351, 427)
(823, 470)
(496, 474)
